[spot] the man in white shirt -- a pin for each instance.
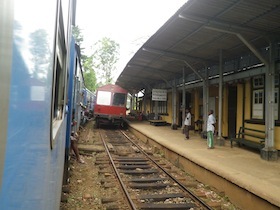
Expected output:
(187, 123)
(210, 130)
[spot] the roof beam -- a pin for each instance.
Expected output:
(176, 56)
(229, 28)
(149, 69)
(224, 24)
(137, 78)
(158, 71)
(166, 81)
(194, 70)
(243, 39)
(171, 55)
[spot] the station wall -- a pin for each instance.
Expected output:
(243, 100)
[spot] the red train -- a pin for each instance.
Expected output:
(110, 106)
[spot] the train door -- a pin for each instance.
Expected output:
(232, 110)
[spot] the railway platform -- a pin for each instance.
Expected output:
(240, 167)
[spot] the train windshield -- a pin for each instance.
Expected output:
(119, 99)
(104, 98)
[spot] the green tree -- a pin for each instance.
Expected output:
(79, 38)
(105, 56)
(89, 74)
(87, 64)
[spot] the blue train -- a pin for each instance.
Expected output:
(88, 102)
(41, 92)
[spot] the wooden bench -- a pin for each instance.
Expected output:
(157, 122)
(256, 138)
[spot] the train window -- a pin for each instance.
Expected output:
(58, 92)
(58, 84)
(104, 98)
(119, 99)
(65, 13)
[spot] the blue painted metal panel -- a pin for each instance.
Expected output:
(70, 101)
(32, 175)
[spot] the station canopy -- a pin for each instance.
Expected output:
(193, 37)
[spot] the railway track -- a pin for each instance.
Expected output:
(145, 181)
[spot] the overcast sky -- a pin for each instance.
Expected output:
(128, 22)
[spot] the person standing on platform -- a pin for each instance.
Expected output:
(210, 129)
(187, 123)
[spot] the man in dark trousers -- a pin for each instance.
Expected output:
(187, 123)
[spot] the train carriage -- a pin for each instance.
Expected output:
(89, 98)
(36, 77)
(110, 106)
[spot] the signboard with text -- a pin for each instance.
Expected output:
(159, 95)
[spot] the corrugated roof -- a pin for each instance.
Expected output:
(196, 33)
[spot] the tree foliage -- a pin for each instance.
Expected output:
(105, 56)
(99, 68)
(89, 73)
(78, 35)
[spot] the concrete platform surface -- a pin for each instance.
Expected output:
(243, 167)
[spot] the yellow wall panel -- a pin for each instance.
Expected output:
(225, 112)
(168, 118)
(195, 108)
(239, 106)
(248, 100)
(277, 138)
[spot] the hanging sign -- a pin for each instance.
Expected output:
(159, 95)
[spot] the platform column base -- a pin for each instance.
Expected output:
(220, 141)
(269, 154)
(203, 134)
(174, 127)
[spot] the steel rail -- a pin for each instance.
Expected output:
(173, 178)
(118, 174)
